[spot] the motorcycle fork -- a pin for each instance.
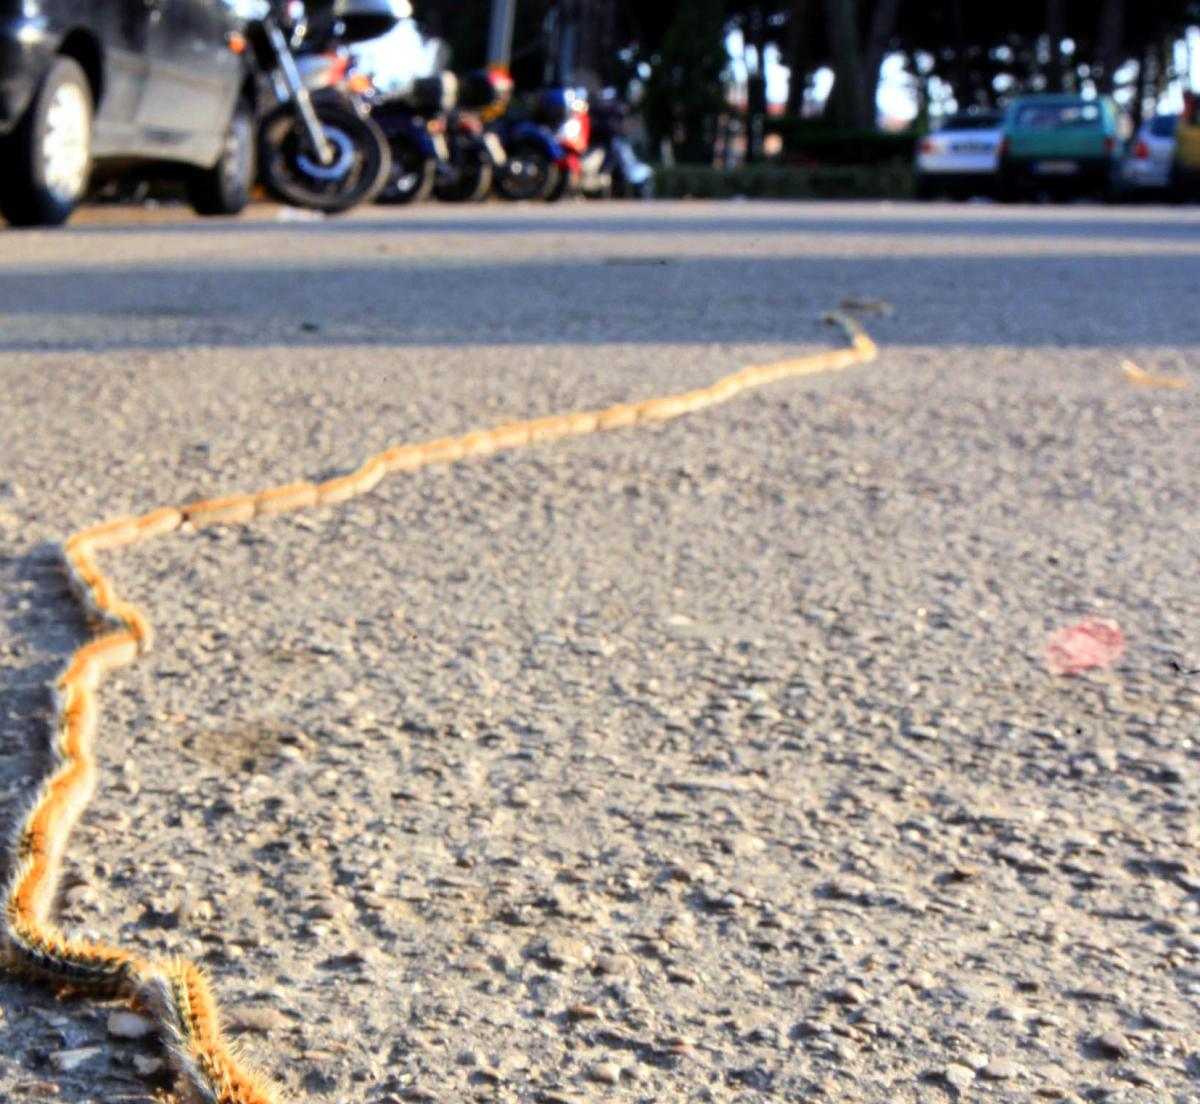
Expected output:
(298, 94)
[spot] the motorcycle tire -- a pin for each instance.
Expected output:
(565, 187)
(469, 180)
(359, 170)
(412, 175)
(529, 173)
(644, 190)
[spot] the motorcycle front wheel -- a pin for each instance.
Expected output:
(468, 178)
(356, 173)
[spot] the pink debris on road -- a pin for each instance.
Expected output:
(1093, 642)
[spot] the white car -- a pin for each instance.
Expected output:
(1147, 161)
(961, 157)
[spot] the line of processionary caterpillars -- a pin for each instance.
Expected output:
(175, 993)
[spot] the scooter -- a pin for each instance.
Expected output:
(630, 177)
(318, 147)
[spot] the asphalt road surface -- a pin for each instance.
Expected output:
(718, 760)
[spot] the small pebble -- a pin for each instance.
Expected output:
(129, 1025)
(961, 1077)
(605, 1073)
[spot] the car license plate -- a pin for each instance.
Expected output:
(972, 147)
(1056, 167)
(495, 148)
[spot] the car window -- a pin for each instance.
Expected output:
(971, 122)
(1163, 126)
(1064, 116)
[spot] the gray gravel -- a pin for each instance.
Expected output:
(715, 761)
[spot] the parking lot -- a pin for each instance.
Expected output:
(716, 760)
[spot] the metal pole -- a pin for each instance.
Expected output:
(500, 35)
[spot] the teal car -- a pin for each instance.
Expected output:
(1060, 145)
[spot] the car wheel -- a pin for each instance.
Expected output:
(1110, 192)
(923, 188)
(48, 156)
(225, 188)
(1007, 188)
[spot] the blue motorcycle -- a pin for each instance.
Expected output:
(536, 161)
(415, 126)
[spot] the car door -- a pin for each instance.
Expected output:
(122, 27)
(193, 76)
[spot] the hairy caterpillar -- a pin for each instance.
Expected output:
(175, 993)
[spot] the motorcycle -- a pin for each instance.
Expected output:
(318, 147)
(629, 176)
(415, 125)
(475, 152)
(581, 169)
(535, 160)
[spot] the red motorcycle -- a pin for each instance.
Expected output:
(564, 111)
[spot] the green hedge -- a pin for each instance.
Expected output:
(808, 141)
(890, 181)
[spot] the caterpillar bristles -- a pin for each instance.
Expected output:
(176, 994)
(209, 1070)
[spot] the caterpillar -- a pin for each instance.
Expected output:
(176, 993)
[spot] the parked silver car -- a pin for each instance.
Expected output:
(960, 158)
(1147, 162)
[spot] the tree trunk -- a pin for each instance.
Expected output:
(597, 50)
(1108, 43)
(845, 108)
(798, 57)
(921, 83)
(964, 81)
(756, 85)
(1137, 106)
(883, 26)
(1055, 32)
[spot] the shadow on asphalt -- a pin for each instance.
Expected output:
(42, 626)
(891, 221)
(1112, 299)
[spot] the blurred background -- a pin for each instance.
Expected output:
(731, 82)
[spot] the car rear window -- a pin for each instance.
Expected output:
(1163, 126)
(972, 122)
(1064, 116)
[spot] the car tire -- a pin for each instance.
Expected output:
(1176, 190)
(923, 189)
(1007, 188)
(225, 188)
(48, 156)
